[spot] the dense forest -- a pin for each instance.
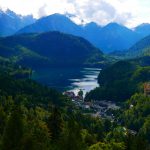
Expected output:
(33, 116)
(50, 49)
(121, 80)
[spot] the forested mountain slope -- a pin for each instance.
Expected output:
(50, 49)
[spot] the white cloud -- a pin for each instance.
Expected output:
(127, 12)
(42, 11)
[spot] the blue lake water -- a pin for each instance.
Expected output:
(64, 79)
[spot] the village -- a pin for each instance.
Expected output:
(98, 108)
(94, 108)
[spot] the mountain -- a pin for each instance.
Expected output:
(92, 32)
(50, 49)
(117, 37)
(109, 38)
(55, 22)
(10, 22)
(143, 29)
(141, 48)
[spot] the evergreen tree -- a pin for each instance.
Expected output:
(13, 133)
(2, 120)
(55, 124)
(72, 137)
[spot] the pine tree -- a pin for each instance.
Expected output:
(55, 124)
(13, 133)
(72, 139)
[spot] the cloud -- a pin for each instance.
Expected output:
(124, 18)
(42, 11)
(127, 12)
(102, 11)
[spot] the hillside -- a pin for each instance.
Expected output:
(34, 116)
(141, 48)
(121, 80)
(50, 49)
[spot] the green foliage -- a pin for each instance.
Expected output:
(29, 92)
(14, 131)
(120, 132)
(136, 116)
(120, 81)
(107, 146)
(2, 120)
(72, 137)
(50, 49)
(136, 112)
(55, 124)
(35, 117)
(145, 130)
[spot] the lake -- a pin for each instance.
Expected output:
(68, 79)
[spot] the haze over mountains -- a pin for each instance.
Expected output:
(143, 29)
(10, 22)
(108, 38)
(112, 37)
(54, 22)
(141, 48)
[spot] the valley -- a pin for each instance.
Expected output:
(70, 86)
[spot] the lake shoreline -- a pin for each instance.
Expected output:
(68, 79)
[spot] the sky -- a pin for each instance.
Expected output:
(126, 12)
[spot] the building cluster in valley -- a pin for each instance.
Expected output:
(103, 109)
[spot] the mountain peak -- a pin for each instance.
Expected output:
(113, 25)
(10, 22)
(8, 11)
(12, 14)
(92, 24)
(55, 19)
(143, 24)
(91, 27)
(55, 16)
(54, 22)
(143, 29)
